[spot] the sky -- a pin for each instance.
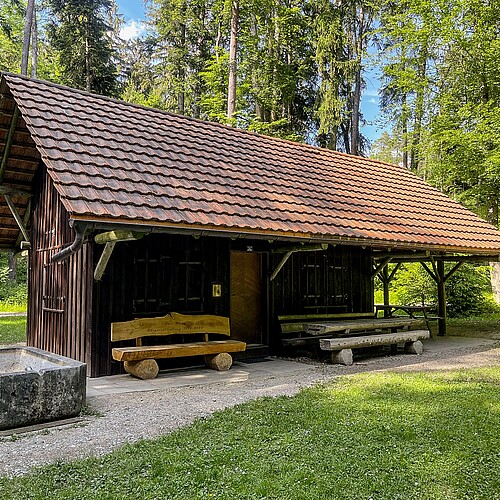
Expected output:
(133, 11)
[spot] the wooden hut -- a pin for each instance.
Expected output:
(133, 212)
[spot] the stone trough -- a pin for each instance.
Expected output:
(37, 386)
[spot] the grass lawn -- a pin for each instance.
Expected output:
(407, 436)
(475, 326)
(12, 329)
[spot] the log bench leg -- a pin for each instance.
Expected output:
(342, 357)
(414, 347)
(221, 362)
(144, 369)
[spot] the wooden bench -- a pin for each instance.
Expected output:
(341, 348)
(311, 328)
(139, 360)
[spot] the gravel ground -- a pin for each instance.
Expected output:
(124, 418)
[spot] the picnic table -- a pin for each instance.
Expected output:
(413, 311)
(359, 325)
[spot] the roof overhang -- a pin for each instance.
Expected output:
(380, 246)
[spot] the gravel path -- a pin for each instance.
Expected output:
(128, 417)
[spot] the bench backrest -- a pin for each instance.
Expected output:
(295, 323)
(171, 324)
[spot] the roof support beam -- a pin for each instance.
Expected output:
(110, 239)
(279, 267)
(26, 219)
(8, 142)
(455, 268)
(103, 260)
(116, 236)
(381, 266)
(439, 275)
(17, 217)
(289, 251)
(15, 192)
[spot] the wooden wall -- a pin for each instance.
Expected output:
(71, 314)
(334, 281)
(153, 276)
(59, 296)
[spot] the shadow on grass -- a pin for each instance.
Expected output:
(366, 436)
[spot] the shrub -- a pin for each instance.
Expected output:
(466, 290)
(13, 292)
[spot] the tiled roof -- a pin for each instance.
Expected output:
(117, 162)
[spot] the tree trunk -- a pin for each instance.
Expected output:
(233, 49)
(181, 75)
(419, 111)
(88, 62)
(34, 46)
(256, 62)
(495, 280)
(357, 86)
(12, 268)
(28, 22)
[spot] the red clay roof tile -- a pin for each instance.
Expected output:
(120, 162)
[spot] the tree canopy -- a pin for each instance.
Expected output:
(297, 69)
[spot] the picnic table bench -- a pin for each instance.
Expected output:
(341, 348)
(310, 328)
(140, 360)
(343, 332)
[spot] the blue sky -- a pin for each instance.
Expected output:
(133, 11)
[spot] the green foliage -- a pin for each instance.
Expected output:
(13, 289)
(466, 290)
(12, 330)
(441, 69)
(383, 436)
(284, 82)
(79, 32)
(11, 34)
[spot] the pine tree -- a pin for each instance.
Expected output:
(79, 32)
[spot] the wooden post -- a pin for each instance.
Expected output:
(17, 217)
(386, 283)
(441, 298)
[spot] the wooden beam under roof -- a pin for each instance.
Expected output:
(8, 142)
(443, 258)
(17, 217)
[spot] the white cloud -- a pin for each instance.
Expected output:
(132, 29)
(373, 101)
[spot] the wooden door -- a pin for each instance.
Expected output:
(246, 297)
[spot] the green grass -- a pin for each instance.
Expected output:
(487, 325)
(12, 329)
(379, 436)
(7, 306)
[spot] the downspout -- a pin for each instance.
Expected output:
(74, 247)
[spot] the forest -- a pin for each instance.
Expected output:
(296, 69)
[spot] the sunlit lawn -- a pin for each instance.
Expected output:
(12, 329)
(407, 436)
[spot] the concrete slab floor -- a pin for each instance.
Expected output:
(242, 371)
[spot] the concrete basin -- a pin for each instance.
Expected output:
(37, 386)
